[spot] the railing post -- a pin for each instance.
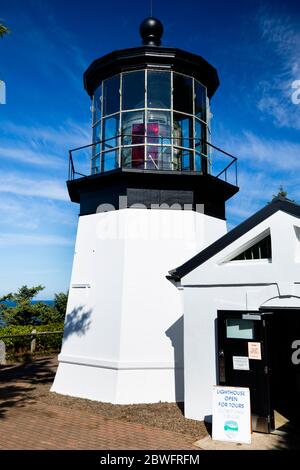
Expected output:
(69, 166)
(33, 342)
(2, 353)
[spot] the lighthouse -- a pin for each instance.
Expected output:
(150, 200)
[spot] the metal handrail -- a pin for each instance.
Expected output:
(38, 333)
(73, 172)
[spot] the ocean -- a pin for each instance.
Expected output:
(9, 303)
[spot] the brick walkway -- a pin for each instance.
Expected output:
(28, 423)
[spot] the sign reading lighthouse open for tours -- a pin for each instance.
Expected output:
(231, 414)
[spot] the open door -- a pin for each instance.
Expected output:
(244, 360)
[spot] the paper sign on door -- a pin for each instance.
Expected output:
(254, 351)
(240, 362)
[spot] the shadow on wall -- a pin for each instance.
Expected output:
(175, 333)
(77, 322)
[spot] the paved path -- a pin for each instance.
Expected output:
(38, 426)
(28, 423)
(278, 440)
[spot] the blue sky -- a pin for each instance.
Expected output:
(255, 45)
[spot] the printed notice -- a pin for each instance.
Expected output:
(240, 362)
(254, 351)
(231, 414)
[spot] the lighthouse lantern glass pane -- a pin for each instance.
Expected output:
(159, 127)
(200, 137)
(200, 101)
(126, 157)
(97, 103)
(110, 160)
(96, 165)
(133, 128)
(182, 93)
(133, 90)
(201, 162)
(110, 132)
(133, 157)
(183, 130)
(111, 95)
(97, 138)
(159, 90)
(158, 158)
(186, 160)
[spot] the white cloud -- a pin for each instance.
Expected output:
(31, 213)
(39, 146)
(282, 155)
(65, 136)
(282, 67)
(16, 183)
(46, 146)
(7, 239)
(26, 155)
(256, 190)
(264, 164)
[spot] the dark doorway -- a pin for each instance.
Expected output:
(270, 373)
(285, 372)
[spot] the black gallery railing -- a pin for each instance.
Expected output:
(152, 153)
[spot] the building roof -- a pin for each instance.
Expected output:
(137, 58)
(278, 204)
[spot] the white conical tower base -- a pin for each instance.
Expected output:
(123, 336)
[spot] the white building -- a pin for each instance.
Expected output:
(255, 268)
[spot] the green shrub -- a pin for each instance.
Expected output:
(25, 312)
(20, 345)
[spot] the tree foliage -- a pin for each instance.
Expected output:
(3, 30)
(60, 303)
(18, 344)
(281, 192)
(25, 312)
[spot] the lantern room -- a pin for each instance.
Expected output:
(150, 119)
(151, 132)
(151, 107)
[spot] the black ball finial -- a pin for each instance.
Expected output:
(151, 31)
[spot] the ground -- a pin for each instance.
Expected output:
(32, 417)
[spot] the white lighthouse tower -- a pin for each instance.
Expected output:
(149, 203)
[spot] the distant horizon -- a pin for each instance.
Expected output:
(11, 302)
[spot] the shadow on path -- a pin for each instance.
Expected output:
(18, 382)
